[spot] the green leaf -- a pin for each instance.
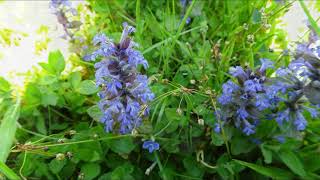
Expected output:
(192, 167)
(94, 112)
(56, 165)
(310, 18)
(8, 172)
(267, 154)
(256, 17)
(90, 170)
(123, 172)
(8, 129)
(49, 98)
(122, 146)
(87, 87)
(56, 62)
(240, 145)
(293, 162)
(47, 79)
(275, 173)
(4, 85)
(75, 79)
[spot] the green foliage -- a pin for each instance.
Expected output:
(8, 129)
(60, 135)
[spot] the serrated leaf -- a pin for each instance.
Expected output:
(87, 87)
(293, 162)
(275, 173)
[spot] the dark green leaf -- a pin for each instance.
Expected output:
(293, 162)
(90, 170)
(267, 171)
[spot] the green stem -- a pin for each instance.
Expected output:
(160, 165)
(310, 18)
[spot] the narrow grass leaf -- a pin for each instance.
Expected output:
(8, 129)
(275, 173)
(8, 172)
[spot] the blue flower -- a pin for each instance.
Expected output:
(248, 128)
(300, 122)
(252, 86)
(313, 112)
(64, 12)
(225, 99)
(151, 146)
(238, 72)
(229, 87)
(280, 139)
(265, 64)
(113, 86)
(282, 116)
(262, 102)
(124, 91)
(242, 113)
(217, 128)
(100, 38)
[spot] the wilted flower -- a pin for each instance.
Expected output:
(124, 90)
(65, 14)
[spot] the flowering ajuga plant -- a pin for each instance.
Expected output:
(65, 14)
(124, 91)
(286, 98)
(243, 100)
(300, 84)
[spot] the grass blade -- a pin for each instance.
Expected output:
(8, 172)
(275, 173)
(8, 129)
(311, 20)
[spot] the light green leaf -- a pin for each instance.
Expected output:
(275, 173)
(267, 154)
(47, 79)
(293, 162)
(49, 98)
(56, 61)
(8, 172)
(8, 129)
(94, 112)
(4, 85)
(75, 79)
(87, 87)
